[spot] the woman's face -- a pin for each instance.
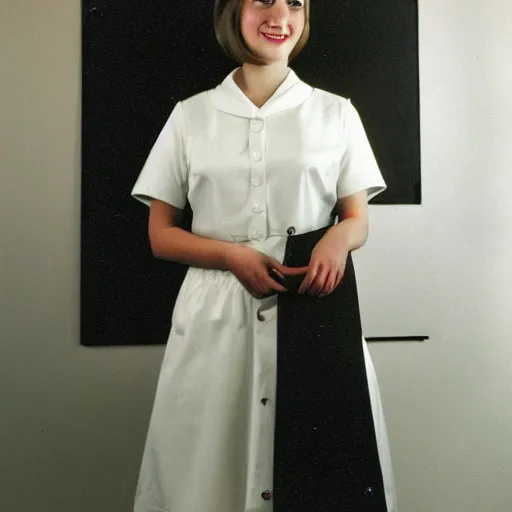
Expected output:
(272, 28)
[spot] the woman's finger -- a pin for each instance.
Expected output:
(252, 290)
(313, 285)
(330, 284)
(257, 284)
(319, 281)
(276, 275)
(310, 276)
(284, 270)
(260, 292)
(294, 271)
(274, 272)
(339, 277)
(272, 284)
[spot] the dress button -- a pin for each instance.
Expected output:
(266, 495)
(264, 401)
(256, 208)
(291, 230)
(256, 156)
(256, 125)
(256, 182)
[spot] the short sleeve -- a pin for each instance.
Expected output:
(165, 173)
(359, 169)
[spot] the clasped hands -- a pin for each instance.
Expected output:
(263, 276)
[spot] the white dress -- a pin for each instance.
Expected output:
(250, 174)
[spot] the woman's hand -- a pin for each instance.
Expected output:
(326, 266)
(252, 267)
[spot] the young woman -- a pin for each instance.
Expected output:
(261, 157)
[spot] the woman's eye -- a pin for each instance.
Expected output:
(296, 4)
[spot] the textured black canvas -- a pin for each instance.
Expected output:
(140, 58)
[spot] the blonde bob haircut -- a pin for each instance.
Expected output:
(227, 16)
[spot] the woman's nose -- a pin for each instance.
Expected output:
(278, 15)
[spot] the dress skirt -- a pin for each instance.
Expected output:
(210, 442)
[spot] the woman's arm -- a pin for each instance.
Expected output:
(328, 259)
(251, 267)
(352, 228)
(170, 242)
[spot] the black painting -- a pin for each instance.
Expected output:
(141, 58)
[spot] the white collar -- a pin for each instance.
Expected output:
(228, 97)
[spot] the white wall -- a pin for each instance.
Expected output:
(73, 419)
(448, 400)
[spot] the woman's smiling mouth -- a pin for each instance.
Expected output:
(276, 38)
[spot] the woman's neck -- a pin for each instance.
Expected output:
(258, 83)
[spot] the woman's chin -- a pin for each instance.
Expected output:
(272, 57)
